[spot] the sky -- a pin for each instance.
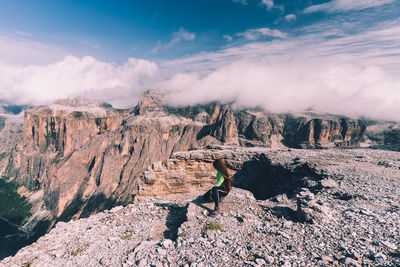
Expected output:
(337, 56)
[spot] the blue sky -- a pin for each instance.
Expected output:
(116, 30)
(253, 52)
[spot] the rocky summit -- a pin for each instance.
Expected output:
(122, 186)
(336, 207)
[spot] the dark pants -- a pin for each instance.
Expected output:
(217, 193)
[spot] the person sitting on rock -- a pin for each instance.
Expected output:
(222, 187)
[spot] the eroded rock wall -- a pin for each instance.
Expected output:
(322, 131)
(55, 131)
(176, 178)
(87, 156)
(259, 129)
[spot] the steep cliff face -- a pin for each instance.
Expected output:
(86, 156)
(222, 128)
(89, 160)
(259, 129)
(103, 172)
(321, 131)
(11, 134)
(53, 133)
(67, 125)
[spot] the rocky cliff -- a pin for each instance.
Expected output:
(310, 130)
(331, 207)
(84, 156)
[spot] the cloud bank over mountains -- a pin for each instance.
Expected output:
(327, 66)
(354, 74)
(73, 76)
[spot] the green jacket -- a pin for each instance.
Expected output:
(220, 179)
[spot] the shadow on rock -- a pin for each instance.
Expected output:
(200, 200)
(265, 179)
(175, 218)
(286, 213)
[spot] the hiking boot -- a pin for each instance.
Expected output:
(214, 212)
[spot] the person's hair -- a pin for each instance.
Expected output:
(219, 165)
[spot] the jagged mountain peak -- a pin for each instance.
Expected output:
(150, 102)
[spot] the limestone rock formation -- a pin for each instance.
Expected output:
(348, 215)
(11, 134)
(150, 103)
(259, 129)
(84, 156)
(223, 127)
(68, 124)
(310, 130)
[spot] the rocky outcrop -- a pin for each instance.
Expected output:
(259, 129)
(85, 156)
(223, 127)
(11, 134)
(192, 171)
(149, 104)
(311, 130)
(176, 178)
(349, 218)
(65, 125)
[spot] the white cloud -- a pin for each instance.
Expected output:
(269, 4)
(352, 75)
(344, 5)
(290, 17)
(227, 37)
(72, 76)
(328, 85)
(182, 35)
(243, 2)
(254, 34)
